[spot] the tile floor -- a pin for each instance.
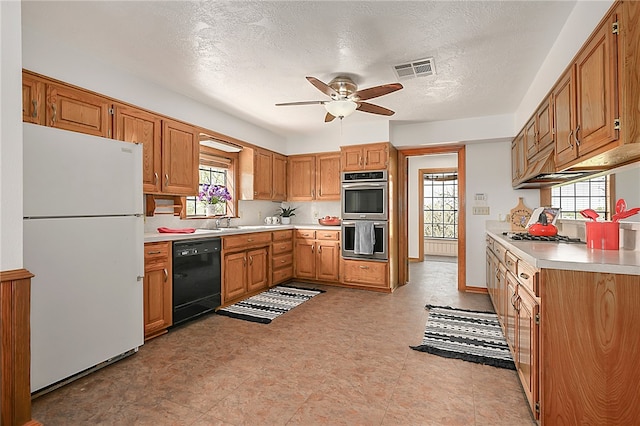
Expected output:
(342, 358)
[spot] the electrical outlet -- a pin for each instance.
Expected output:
(480, 210)
(259, 214)
(315, 215)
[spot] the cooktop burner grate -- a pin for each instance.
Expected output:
(524, 236)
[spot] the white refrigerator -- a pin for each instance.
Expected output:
(84, 241)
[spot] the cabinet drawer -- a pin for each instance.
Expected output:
(372, 274)
(283, 274)
(528, 276)
(328, 235)
(246, 240)
(282, 260)
(305, 234)
(499, 251)
(511, 261)
(157, 251)
(282, 235)
(281, 247)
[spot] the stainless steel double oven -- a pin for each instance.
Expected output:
(365, 198)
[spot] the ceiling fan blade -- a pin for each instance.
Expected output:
(328, 117)
(374, 92)
(324, 88)
(373, 109)
(302, 103)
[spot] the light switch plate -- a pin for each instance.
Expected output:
(480, 210)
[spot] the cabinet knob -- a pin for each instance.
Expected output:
(166, 274)
(35, 109)
(524, 276)
(364, 267)
(154, 252)
(55, 113)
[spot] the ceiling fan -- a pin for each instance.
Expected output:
(346, 98)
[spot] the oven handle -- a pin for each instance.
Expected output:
(353, 223)
(360, 185)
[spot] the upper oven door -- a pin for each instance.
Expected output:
(364, 200)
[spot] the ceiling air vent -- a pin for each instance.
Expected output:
(419, 68)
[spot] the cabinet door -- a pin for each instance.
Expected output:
(328, 177)
(327, 261)
(263, 175)
(305, 259)
(518, 158)
(279, 166)
(527, 347)
(33, 107)
(351, 158)
(544, 121)
(510, 317)
(596, 68)
(376, 157)
(302, 170)
(234, 277)
(180, 158)
(530, 138)
(257, 269)
(157, 298)
(78, 111)
(564, 119)
(134, 125)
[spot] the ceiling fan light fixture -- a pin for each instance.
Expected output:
(341, 108)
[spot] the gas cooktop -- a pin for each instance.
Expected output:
(525, 236)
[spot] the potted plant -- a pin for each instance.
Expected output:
(211, 195)
(285, 213)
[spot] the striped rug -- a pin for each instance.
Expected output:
(270, 304)
(468, 335)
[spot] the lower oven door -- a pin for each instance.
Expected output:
(380, 246)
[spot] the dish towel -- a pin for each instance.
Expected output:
(164, 230)
(365, 237)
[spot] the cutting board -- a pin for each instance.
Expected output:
(519, 216)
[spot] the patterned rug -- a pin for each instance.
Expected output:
(467, 335)
(270, 304)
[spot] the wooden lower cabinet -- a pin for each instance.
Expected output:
(571, 334)
(157, 289)
(245, 265)
(365, 273)
(317, 255)
(281, 256)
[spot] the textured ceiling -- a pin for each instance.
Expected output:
(244, 57)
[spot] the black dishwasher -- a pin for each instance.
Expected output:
(196, 278)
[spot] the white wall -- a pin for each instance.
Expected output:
(50, 57)
(581, 22)
(415, 204)
(10, 137)
(339, 134)
(628, 187)
(489, 128)
(488, 169)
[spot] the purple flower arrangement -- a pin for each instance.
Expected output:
(214, 194)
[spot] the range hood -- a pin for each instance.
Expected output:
(543, 173)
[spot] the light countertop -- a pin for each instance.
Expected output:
(572, 256)
(151, 237)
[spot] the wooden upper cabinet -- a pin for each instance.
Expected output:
(530, 139)
(518, 158)
(544, 124)
(263, 174)
(564, 118)
(596, 91)
(180, 158)
(302, 177)
(365, 157)
(279, 176)
(33, 106)
(138, 126)
(76, 110)
(328, 176)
